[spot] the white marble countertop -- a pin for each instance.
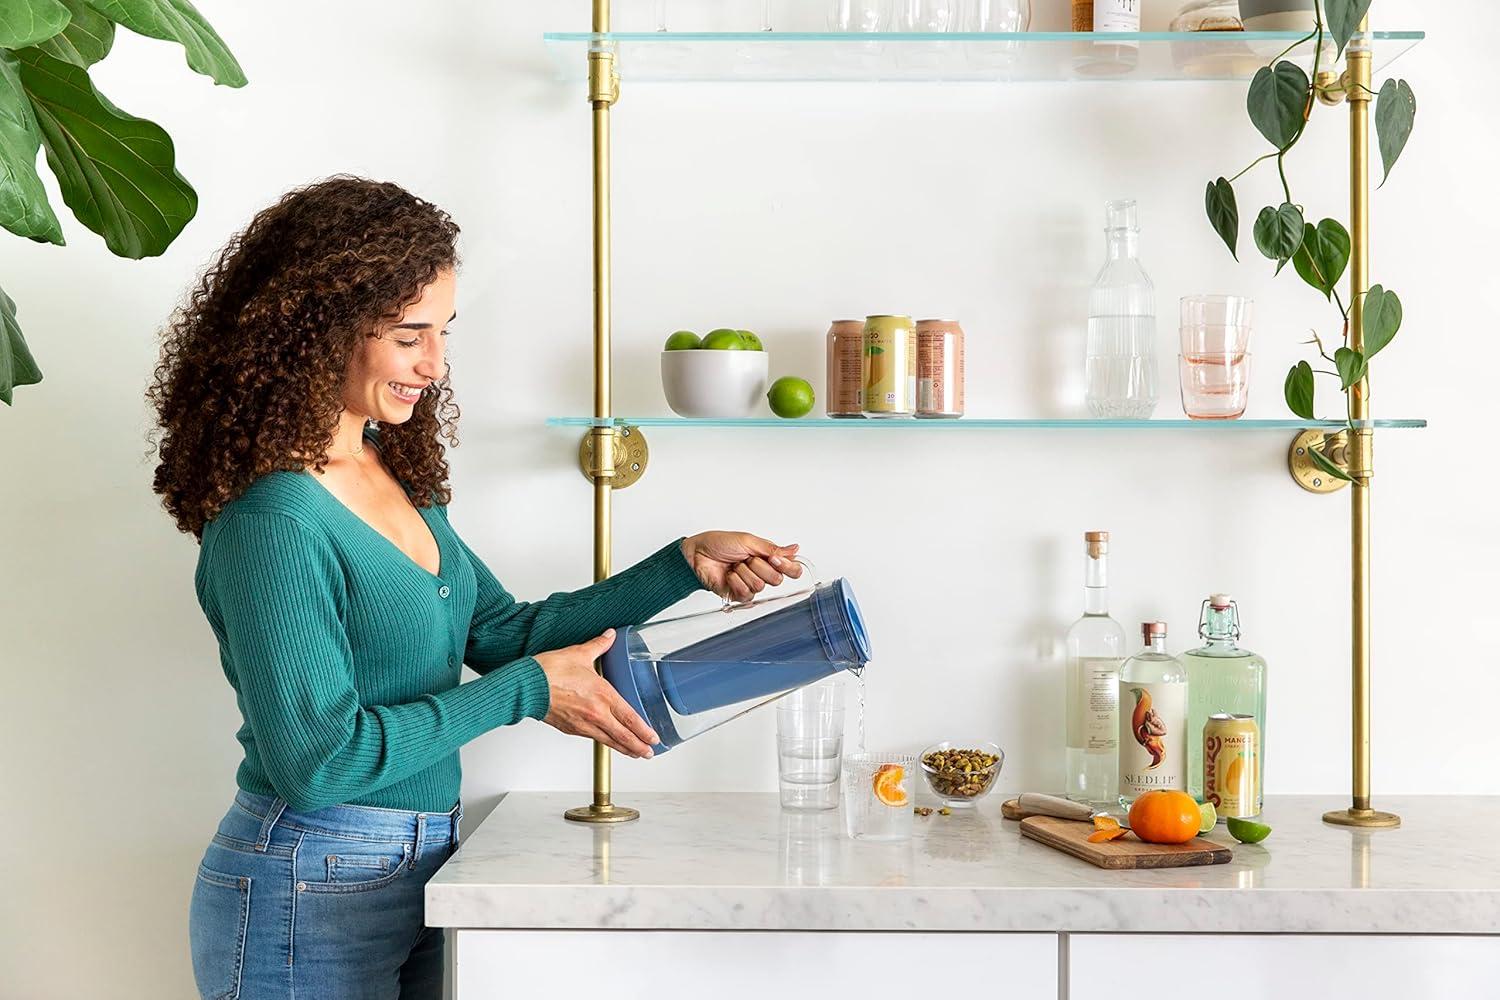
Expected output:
(738, 862)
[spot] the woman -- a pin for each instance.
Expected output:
(344, 603)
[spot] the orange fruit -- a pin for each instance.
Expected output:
(1165, 817)
(888, 784)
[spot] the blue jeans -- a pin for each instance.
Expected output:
(324, 904)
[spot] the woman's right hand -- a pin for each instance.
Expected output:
(585, 704)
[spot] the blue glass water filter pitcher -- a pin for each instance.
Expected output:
(687, 675)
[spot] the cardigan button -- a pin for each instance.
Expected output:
(443, 591)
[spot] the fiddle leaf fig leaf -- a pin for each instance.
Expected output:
(1224, 214)
(87, 38)
(1382, 318)
(116, 171)
(178, 21)
(16, 364)
(1299, 390)
(1351, 366)
(1344, 17)
(23, 201)
(1395, 115)
(1323, 256)
(1278, 101)
(1279, 233)
(26, 22)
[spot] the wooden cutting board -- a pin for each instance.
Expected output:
(1071, 837)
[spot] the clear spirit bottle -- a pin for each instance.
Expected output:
(1222, 677)
(1120, 367)
(1153, 718)
(1095, 647)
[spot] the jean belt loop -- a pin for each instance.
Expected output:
(456, 819)
(416, 853)
(278, 806)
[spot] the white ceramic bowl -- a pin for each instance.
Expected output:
(715, 383)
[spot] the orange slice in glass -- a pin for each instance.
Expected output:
(887, 784)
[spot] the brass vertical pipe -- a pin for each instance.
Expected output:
(603, 92)
(1361, 453)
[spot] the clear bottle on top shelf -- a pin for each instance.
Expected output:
(1095, 647)
(1120, 368)
(1153, 718)
(1222, 678)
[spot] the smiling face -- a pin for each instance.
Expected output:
(389, 371)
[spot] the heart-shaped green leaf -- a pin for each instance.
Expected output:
(1323, 256)
(178, 21)
(1224, 214)
(85, 40)
(1395, 114)
(1382, 318)
(23, 200)
(115, 170)
(16, 364)
(1279, 233)
(1351, 366)
(1277, 102)
(1323, 462)
(26, 22)
(1344, 17)
(1299, 390)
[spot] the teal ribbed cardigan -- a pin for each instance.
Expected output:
(345, 655)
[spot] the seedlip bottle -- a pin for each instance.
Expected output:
(1153, 718)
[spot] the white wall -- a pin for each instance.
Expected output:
(776, 208)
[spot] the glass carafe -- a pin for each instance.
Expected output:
(687, 675)
(1121, 368)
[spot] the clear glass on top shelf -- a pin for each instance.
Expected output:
(950, 55)
(981, 423)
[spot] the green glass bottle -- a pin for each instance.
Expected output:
(1222, 677)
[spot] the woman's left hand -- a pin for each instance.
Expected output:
(737, 565)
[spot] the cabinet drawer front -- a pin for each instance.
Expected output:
(1371, 967)
(754, 965)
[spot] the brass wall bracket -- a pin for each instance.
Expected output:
(1333, 87)
(1306, 472)
(604, 78)
(630, 455)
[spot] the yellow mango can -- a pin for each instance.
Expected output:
(1231, 765)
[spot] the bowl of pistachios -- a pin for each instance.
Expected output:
(961, 772)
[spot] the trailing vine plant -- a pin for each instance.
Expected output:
(1280, 104)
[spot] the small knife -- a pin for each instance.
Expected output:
(1037, 804)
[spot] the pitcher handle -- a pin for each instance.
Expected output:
(808, 581)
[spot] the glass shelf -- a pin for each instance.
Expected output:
(973, 56)
(976, 423)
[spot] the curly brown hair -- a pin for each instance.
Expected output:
(253, 364)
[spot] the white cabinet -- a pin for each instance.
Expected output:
(750, 965)
(1283, 967)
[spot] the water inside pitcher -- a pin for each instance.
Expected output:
(687, 675)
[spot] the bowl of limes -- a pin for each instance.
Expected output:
(723, 374)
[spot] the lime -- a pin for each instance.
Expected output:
(791, 397)
(1247, 832)
(1210, 816)
(752, 342)
(723, 340)
(683, 340)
